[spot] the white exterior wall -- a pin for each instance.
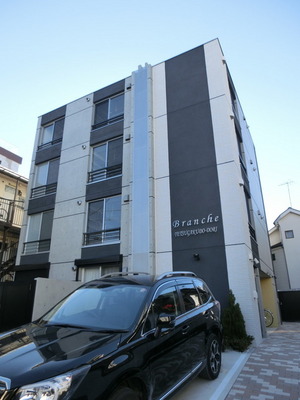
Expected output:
(235, 218)
(70, 213)
(291, 247)
(163, 238)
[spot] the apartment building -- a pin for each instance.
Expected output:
(152, 173)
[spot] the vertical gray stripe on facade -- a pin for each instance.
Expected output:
(194, 189)
(140, 168)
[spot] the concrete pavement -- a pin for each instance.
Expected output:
(270, 371)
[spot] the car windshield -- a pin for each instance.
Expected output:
(106, 307)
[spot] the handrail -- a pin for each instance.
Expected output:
(11, 211)
(40, 191)
(105, 173)
(99, 237)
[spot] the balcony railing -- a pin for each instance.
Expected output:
(43, 190)
(37, 246)
(11, 212)
(49, 144)
(105, 173)
(108, 122)
(100, 237)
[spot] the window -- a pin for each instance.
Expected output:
(45, 178)
(109, 110)
(107, 160)
(52, 133)
(104, 221)
(39, 233)
(190, 296)
(166, 301)
(289, 234)
(204, 293)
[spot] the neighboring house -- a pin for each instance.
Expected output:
(13, 189)
(153, 173)
(285, 247)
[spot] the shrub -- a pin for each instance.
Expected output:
(234, 333)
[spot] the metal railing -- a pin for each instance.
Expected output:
(43, 190)
(105, 173)
(11, 212)
(36, 246)
(101, 237)
(108, 122)
(49, 144)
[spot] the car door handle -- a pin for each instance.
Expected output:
(185, 329)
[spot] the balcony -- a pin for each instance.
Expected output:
(100, 237)
(37, 246)
(11, 212)
(49, 144)
(41, 191)
(105, 173)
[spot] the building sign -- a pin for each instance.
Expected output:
(196, 226)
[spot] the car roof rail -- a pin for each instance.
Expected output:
(175, 274)
(113, 274)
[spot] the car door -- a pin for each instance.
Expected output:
(170, 353)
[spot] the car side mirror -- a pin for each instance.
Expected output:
(164, 321)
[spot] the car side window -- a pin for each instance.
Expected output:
(166, 301)
(204, 293)
(190, 296)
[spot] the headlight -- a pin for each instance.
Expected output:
(59, 387)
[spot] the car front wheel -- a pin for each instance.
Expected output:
(125, 393)
(213, 358)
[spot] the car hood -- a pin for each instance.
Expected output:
(34, 352)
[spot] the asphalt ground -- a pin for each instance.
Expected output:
(270, 371)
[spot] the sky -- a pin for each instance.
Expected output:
(55, 51)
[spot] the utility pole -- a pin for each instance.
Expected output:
(288, 184)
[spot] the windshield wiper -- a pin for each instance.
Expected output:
(87, 328)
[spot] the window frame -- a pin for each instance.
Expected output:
(36, 245)
(109, 119)
(44, 144)
(289, 234)
(100, 237)
(107, 172)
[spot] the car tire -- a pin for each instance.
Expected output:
(125, 393)
(213, 358)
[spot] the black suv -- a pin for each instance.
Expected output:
(122, 337)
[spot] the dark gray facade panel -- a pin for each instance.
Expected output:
(53, 115)
(100, 252)
(41, 204)
(33, 259)
(48, 153)
(197, 230)
(110, 90)
(107, 188)
(107, 132)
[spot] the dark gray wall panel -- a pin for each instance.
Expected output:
(109, 187)
(41, 204)
(102, 252)
(33, 259)
(109, 91)
(48, 153)
(106, 132)
(195, 199)
(53, 115)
